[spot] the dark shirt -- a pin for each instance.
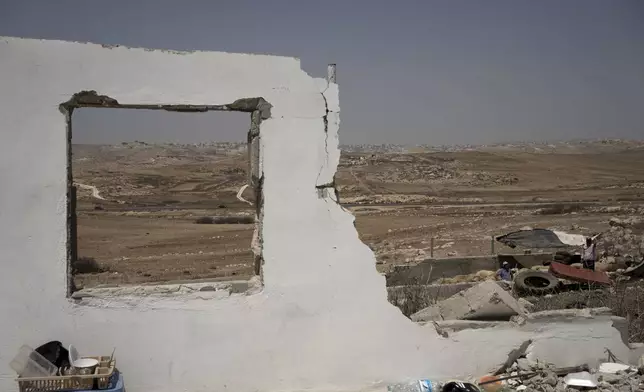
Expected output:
(503, 274)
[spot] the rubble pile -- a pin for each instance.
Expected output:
(529, 376)
(522, 371)
(487, 179)
(623, 239)
(418, 173)
(390, 199)
(348, 160)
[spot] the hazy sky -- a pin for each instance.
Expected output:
(436, 72)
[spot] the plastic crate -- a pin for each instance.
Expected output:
(101, 378)
(116, 384)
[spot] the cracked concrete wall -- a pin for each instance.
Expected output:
(321, 320)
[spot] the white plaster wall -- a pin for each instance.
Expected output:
(322, 320)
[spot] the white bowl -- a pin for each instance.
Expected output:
(83, 363)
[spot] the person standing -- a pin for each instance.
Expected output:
(589, 254)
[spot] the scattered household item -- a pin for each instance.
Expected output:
(613, 368)
(55, 353)
(29, 363)
(81, 365)
(460, 386)
(117, 383)
(581, 379)
(415, 386)
(490, 383)
(100, 374)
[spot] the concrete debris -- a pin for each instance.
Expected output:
(525, 365)
(525, 375)
(485, 301)
(625, 239)
(513, 356)
(526, 305)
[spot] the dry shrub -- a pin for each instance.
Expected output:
(87, 265)
(205, 220)
(625, 299)
(410, 299)
(479, 276)
(561, 208)
(225, 220)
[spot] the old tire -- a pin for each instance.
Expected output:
(535, 282)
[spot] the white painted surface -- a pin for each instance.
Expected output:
(322, 320)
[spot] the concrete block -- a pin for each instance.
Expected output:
(485, 301)
(430, 313)
(456, 307)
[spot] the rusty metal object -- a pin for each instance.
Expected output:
(580, 275)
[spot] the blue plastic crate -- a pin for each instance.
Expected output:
(117, 384)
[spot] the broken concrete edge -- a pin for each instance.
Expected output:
(435, 292)
(256, 244)
(569, 313)
(90, 98)
(332, 184)
(460, 325)
(543, 316)
(245, 287)
(71, 208)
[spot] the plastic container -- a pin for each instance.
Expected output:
(116, 384)
(28, 363)
(416, 386)
(101, 379)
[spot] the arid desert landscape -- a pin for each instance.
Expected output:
(150, 213)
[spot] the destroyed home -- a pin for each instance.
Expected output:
(315, 316)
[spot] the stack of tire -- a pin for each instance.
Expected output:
(567, 258)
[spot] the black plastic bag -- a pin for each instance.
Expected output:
(55, 353)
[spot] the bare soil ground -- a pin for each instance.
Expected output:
(144, 230)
